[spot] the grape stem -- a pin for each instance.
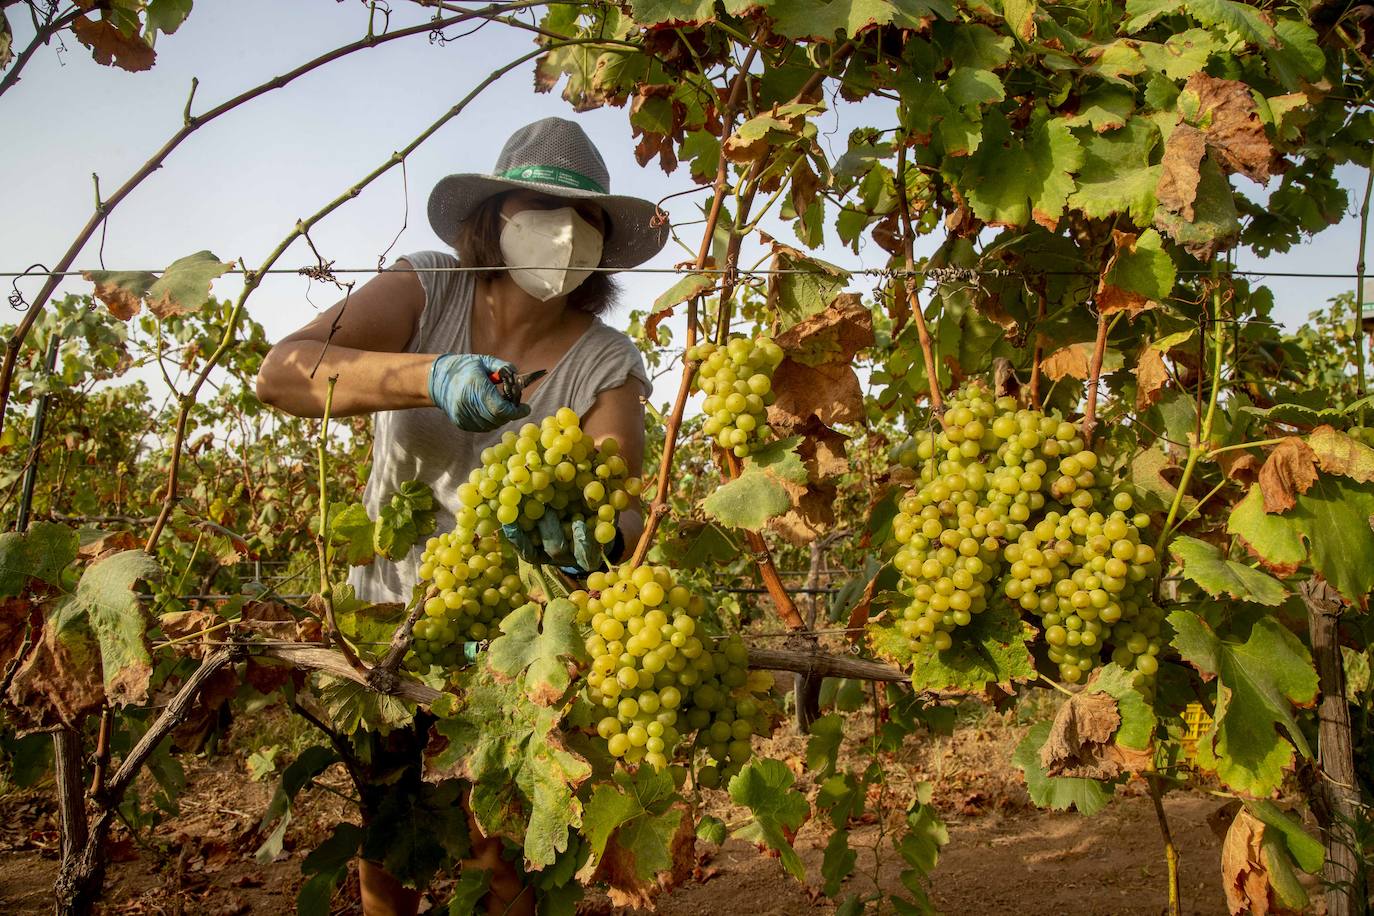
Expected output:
(326, 588)
(1095, 379)
(1170, 850)
(659, 507)
(937, 401)
(1197, 445)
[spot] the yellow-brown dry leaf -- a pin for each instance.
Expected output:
(1235, 132)
(60, 680)
(1151, 375)
(122, 303)
(830, 393)
(1244, 875)
(1072, 360)
(1080, 740)
(111, 46)
(1241, 466)
(1179, 175)
(1338, 453)
(1290, 469)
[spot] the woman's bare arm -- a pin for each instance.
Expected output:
(619, 414)
(374, 324)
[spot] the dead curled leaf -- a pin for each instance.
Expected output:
(1290, 470)
(1338, 453)
(186, 626)
(1151, 376)
(1240, 466)
(1080, 740)
(1244, 873)
(1179, 175)
(59, 682)
(1234, 129)
(1110, 298)
(110, 46)
(1071, 360)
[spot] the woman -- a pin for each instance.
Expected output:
(419, 348)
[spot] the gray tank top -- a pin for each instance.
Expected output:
(422, 444)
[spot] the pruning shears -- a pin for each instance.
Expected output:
(512, 385)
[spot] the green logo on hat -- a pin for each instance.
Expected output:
(554, 175)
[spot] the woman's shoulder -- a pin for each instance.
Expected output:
(427, 259)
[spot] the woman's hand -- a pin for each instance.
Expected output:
(584, 555)
(460, 385)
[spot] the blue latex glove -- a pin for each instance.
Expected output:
(584, 555)
(460, 385)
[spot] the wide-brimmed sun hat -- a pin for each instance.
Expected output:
(555, 157)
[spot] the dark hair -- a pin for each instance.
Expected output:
(478, 244)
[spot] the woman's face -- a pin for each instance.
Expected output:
(515, 201)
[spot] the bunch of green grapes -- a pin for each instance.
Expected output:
(645, 653)
(547, 467)
(475, 589)
(1090, 579)
(947, 530)
(737, 380)
(726, 710)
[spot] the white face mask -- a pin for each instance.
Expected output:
(549, 252)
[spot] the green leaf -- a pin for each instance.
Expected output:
(468, 891)
(802, 20)
(337, 850)
(760, 492)
(673, 12)
(263, 762)
(312, 762)
(711, 829)
(827, 734)
(185, 285)
(797, 296)
(316, 895)
(638, 812)
(353, 706)
(765, 788)
(1306, 849)
(843, 797)
(688, 287)
(1141, 13)
(1240, 18)
(1088, 796)
(1259, 682)
(1116, 176)
(42, 553)
(925, 833)
(1104, 108)
(838, 862)
(351, 528)
(166, 16)
(105, 598)
(1274, 539)
(1143, 268)
(1220, 577)
(408, 517)
(538, 648)
(1010, 183)
(523, 776)
(990, 650)
(1183, 54)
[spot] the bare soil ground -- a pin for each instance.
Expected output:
(1004, 855)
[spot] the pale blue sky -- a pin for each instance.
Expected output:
(237, 186)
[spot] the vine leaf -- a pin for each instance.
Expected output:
(761, 491)
(1139, 276)
(991, 651)
(801, 286)
(59, 681)
(523, 777)
(765, 132)
(105, 600)
(827, 734)
(1259, 682)
(166, 16)
(1257, 867)
(408, 517)
(111, 46)
(1179, 170)
(1290, 470)
(920, 848)
(351, 528)
(1275, 540)
(1332, 518)
(468, 891)
(1011, 184)
(184, 286)
(1233, 126)
(765, 788)
(1076, 360)
(634, 827)
(41, 553)
(1338, 453)
(1116, 175)
(1088, 796)
(838, 862)
(688, 287)
(1101, 732)
(802, 20)
(816, 377)
(310, 763)
(1213, 224)
(1221, 577)
(1151, 375)
(538, 648)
